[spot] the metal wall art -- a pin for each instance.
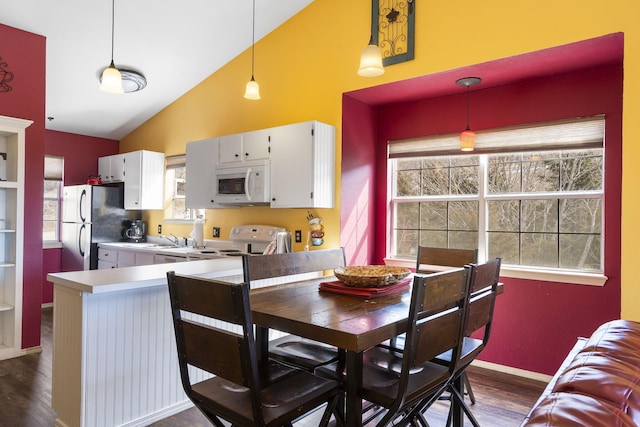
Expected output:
(393, 28)
(5, 77)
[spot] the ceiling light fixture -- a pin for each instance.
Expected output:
(114, 80)
(468, 137)
(252, 91)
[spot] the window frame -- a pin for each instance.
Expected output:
(170, 194)
(445, 148)
(54, 174)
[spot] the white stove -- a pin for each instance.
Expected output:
(254, 239)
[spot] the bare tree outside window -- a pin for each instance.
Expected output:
(539, 209)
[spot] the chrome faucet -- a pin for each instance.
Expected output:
(175, 239)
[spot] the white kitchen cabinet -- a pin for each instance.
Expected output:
(242, 147)
(12, 149)
(143, 180)
(144, 258)
(111, 168)
(230, 148)
(201, 188)
(303, 165)
(255, 144)
(107, 258)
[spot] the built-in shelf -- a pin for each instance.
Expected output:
(12, 147)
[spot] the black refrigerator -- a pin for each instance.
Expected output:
(92, 214)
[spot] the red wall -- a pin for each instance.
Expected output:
(24, 54)
(536, 323)
(80, 160)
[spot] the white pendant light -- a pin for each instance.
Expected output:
(371, 61)
(252, 90)
(111, 79)
(468, 137)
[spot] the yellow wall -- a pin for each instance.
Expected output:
(304, 66)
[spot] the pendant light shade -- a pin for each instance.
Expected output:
(371, 61)
(252, 90)
(467, 140)
(468, 137)
(111, 79)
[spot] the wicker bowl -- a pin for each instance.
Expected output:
(370, 276)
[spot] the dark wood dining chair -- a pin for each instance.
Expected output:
(483, 289)
(244, 391)
(297, 351)
(398, 381)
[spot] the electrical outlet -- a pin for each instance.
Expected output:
(216, 231)
(298, 236)
(159, 228)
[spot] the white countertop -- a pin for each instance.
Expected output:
(127, 278)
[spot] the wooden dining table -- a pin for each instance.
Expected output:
(353, 324)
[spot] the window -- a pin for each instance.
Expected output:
(53, 167)
(175, 191)
(538, 209)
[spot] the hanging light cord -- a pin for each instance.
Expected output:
(113, 13)
(468, 89)
(253, 40)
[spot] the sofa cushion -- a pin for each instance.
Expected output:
(599, 385)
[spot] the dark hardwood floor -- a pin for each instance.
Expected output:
(25, 394)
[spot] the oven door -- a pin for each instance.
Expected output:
(247, 185)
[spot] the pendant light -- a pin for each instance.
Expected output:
(371, 57)
(111, 79)
(468, 137)
(371, 61)
(252, 91)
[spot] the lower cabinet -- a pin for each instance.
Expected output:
(112, 258)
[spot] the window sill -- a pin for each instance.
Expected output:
(51, 244)
(591, 279)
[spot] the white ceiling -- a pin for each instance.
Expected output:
(175, 45)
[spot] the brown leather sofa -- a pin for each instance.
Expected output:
(598, 385)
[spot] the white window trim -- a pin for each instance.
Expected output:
(571, 277)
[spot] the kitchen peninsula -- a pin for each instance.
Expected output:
(114, 354)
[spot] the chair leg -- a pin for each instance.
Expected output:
(467, 387)
(455, 394)
(332, 409)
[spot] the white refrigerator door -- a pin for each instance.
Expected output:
(76, 204)
(76, 245)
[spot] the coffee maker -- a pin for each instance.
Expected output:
(137, 232)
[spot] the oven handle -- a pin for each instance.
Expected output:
(246, 184)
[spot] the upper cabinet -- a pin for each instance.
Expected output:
(243, 147)
(200, 174)
(303, 165)
(142, 173)
(12, 155)
(111, 168)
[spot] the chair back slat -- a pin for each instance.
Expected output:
(437, 336)
(287, 264)
(220, 302)
(441, 291)
(199, 340)
(449, 257)
(485, 275)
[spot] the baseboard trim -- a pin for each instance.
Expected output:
(512, 371)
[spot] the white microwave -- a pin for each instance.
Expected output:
(243, 185)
